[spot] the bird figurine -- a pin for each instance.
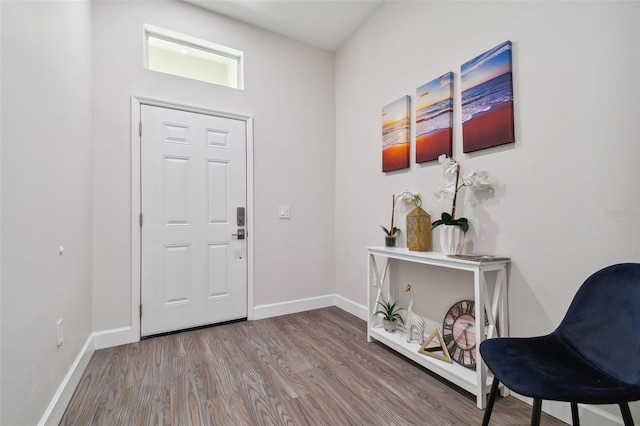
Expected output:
(414, 321)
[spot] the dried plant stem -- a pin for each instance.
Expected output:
(393, 211)
(455, 194)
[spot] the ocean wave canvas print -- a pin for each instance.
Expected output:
(395, 134)
(434, 119)
(487, 100)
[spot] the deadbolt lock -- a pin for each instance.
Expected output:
(240, 216)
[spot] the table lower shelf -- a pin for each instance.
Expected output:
(461, 376)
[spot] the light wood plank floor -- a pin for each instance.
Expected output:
(310, 368)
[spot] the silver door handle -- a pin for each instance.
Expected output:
(241, 234)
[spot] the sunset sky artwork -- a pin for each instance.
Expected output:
(487, 99)
(395, 134)
(434, 119)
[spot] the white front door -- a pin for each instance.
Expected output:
(194, 183)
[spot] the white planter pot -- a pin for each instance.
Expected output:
(389, 326)
(451, 239)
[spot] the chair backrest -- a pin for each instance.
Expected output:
(603, 321)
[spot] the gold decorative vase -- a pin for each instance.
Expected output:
(419, 230)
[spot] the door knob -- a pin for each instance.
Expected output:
(240, 234)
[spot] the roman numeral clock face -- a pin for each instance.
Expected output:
(459, 333)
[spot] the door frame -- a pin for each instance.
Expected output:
(136, 201)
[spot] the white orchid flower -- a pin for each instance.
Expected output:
(411, 197)
(477, 181)
(447, 190)
(440, 194)
(448, 164)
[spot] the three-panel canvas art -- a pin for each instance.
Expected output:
(487, 112)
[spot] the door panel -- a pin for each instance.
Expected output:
(217, 197)
(175, 192)
(193, 168)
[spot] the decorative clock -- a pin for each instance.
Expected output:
(459, 333)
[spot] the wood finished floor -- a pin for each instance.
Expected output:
(310, 368)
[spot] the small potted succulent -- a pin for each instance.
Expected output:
(390, 236)
(390, 312)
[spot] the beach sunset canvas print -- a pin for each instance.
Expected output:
(395, 135)
(434, 119)
(487, 100)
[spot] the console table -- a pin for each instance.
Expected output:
(490, 310)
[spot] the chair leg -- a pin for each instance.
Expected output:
(535, 413)
(492, 399)
(575, 419)
(626, 414)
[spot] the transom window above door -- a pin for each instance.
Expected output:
(185, 56)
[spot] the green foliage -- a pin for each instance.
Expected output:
(391, 233)
(390, 311)
(447, 219)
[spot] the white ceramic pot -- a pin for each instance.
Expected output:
(389, 326)
(451, 239)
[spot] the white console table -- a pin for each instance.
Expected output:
(490, 309)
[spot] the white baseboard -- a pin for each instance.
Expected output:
(590, 415)
(352, 307)
(124, 335)
(99, 340)
(115, 337)
(293, 306)
(54, 412)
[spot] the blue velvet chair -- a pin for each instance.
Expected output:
(593, 357)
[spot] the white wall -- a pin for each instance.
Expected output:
(289, 93)
(46, 199)
(575, 160)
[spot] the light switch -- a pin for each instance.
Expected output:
(284, 212)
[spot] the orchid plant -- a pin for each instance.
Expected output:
(407, 197)
(456, 179)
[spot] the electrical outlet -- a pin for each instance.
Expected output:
(60, 332)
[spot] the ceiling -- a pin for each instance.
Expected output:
(327, 24)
